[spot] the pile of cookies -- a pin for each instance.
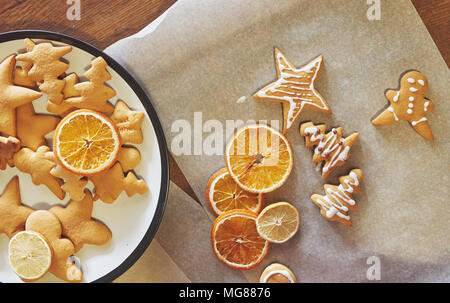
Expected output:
(242, 230)
(67, 167)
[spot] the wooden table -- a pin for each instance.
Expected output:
(104, 22)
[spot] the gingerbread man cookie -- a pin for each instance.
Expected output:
(408, 103)
(295, 89)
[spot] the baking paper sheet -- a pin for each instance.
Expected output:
(204, 55)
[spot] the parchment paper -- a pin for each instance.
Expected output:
(206, 54)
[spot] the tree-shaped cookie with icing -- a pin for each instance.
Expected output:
(337, 201)
(46, 67)
(13, 214)
(408, 103)
(95, 93)
(331, 147)
(294, 89)
(79, 226)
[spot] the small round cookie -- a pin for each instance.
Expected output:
(277, 273)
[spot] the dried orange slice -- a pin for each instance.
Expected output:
(86, 142)
(259, 158)
(30, 255)
(223, 194)
(236, 241)
(278, 222)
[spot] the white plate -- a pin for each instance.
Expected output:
(132, 221)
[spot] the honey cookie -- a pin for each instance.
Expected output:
(95, 93)
(408, 103)
(8, 147)
(48, 225)
(39, 166)
(277, 273)
(331, 147)
(110, 184)
(46, 67)
(13, 214)
(79, 226)
(338, 199)
(32, 127)
(294, 89)
(11, 97)
(128, 123)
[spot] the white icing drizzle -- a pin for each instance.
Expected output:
(414, 123)
(334, 206)
(409, 111)
(411, 80)
(411, 98)
(396, 96)
(410, 105)
(392, 111)
(282, 88)
(425, 105)
(281, 272)
(241, 99)
(341, 154)
(413, 89)
(421, 82)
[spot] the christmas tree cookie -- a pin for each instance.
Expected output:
(331, 147)
(337, 201)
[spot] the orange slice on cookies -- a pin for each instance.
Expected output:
(223, 194)
(259, 158)
(236, 241)
(86, 142)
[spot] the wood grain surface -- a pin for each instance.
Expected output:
(104, 22)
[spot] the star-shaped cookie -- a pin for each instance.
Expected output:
(11, 97)
(13, 214)
(408, 103)
(32, 127)
(294, 88)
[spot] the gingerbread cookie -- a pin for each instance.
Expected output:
(32, 127)
(74, 184)
(48, 225)
(129, 158)
(47, 67)
(110, 184)
(331, 147)
(8, 147)
(69, 90)
(21, 73)
(295, 89)
(128, 123)
(78, 225)
(408, 103)
(11, 97)
(95, 93)
(338, 199)
(39, 166)
(277, 273)
(13, 213)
